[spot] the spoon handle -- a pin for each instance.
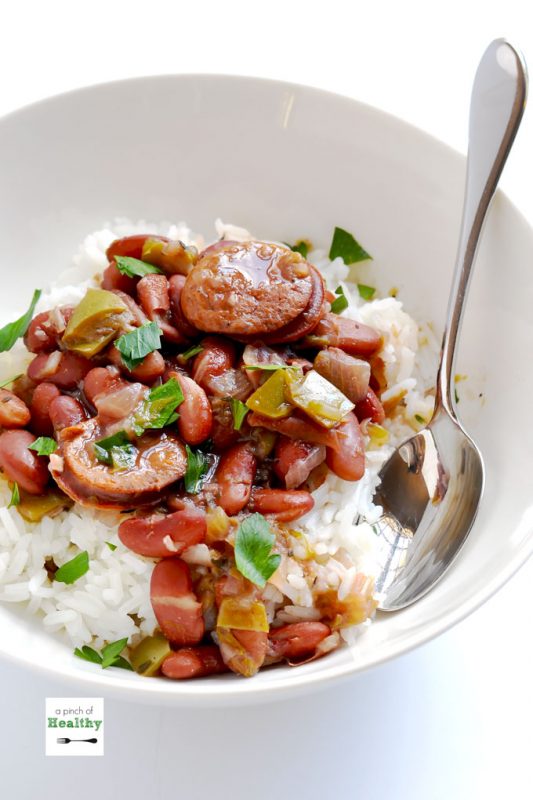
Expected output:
(496, 107)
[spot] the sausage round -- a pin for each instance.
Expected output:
(246, 289)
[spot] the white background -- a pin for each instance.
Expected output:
(451, 720)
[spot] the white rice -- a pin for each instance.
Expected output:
(112, 601)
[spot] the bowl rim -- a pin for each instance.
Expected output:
(233, 692)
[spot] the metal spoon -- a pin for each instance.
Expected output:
(432, 484)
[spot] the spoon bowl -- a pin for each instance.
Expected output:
(431, 487)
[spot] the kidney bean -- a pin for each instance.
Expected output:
(283, 505)
(295, 460)
(44, 393)
(370, 408)
(46, 329)
(193, 662)
(346, 334)
(196, 418)
(297, 640)
(234, 476)
(175, 606)
(217, 356)
(149, 370)
(101, 380)
(348, 460)
(223, 433)
(65, 412)
(243, 651)
(113, 280)
(158, 536)
(14, 413)
(153, 294)
(176, 284)
(69, 371)
(22, 465)
(130, 246)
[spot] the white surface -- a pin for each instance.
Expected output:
(449, 720)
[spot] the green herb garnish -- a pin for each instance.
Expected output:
(116, 451)
(341, 302)
(159, 408)
(366, 292)
(111, 546)
(192, 351)
(14, 330)
(44, 446)
(134, 268)
(15, 495)
(456, 395)
(419, 418)
(10, 380)
(73, 569)
(303, 246)
(267, 367)
(253, 550)
(197, 466)
(136, 345)
(110, 656)
(344, 245)
(238, 411)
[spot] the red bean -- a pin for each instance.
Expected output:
(22, 465)
(46, 329)
(217, 356)
(223, 433)
(176, 284)
(65, 412)
(234, 476)
(193, 662)
(130, 246)
(196, 418)
(346, 334)
(175, 606)
(348, 460)
(297, 640)
(243, 651)
(101, 380)
(14, 413)
(114, 280)
(283, 505)
(370, 408)
(44, 393)
(149, 370)
(295, 460)
(159, 536)
(66, 370)
(153, 294)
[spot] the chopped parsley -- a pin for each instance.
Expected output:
(343, 245)
(253, 550)
(134, 268)
(267, 367)
(15, 495)
(159, 408)
(44, 446)
(136, 345)
(73, 569)
(14, 330)
(366, 292)
(111, 546)
(302, 246)
(197, 466)
(192, 351)
(116, 451)
(341, 301)
(110, 656)
(419, 418)
(238, 411)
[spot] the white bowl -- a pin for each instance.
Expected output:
(286, 162)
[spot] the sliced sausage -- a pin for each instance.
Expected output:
(246, 289)
(234, 477)
(22, 465)
(14, 413)
(305, 322)
(175, 605)
(160, 460)
(163, 535)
